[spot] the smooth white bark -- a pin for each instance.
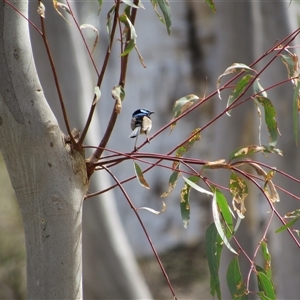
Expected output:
(48, 177)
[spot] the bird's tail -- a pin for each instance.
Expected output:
(135, 132)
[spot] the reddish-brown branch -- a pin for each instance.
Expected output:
(61, 100)
(144, 229)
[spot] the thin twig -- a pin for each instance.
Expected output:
(100, 79)
(61, 101)
(144, 229)
(29, 21)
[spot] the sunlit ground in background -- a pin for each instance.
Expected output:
(12, 243)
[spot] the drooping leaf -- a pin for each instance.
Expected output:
(260, 119)
(195, 136)
(100, 2)
(130, 3)
(239, 191)
(95, 30)
(265, 286)
(258, 89)
(251, 149)
(132, 42)
(236, 67)
(270, 114)
(197, 187)
(118, 93)
(166, 11)
(296, 109)
(172, 182)
(269, 187)
(182, 105)
(155, 7)
(153, 211)
(108, 22)
(267, 258)
(235, 282)
(213, 245)
(65, 7)
(225, 211)
(219, 203)
(140, 176)
(238, 90)
(185, 202)
(287, 225)
(211, 5)
(292, 66)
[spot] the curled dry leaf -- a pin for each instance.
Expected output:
(221, 163)
(97, 94)
(239, 191)
(41, 9)
(88, 26)
(118, 94)
(58, 5)
(153, 211)
(269, 187)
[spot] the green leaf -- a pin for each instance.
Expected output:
(296, 105)
(132, 42)
(239, 191)
(270, 114)
(140, 176)
(100, 6)
(291, 63)
(130, 3)
(108, 22)
(235, 282)
(258, 89)
(238, 90)
(195, 136)
(236, 67)
(265, 286)
(287, 225)
(213, 245)
(197, 187)
(182, 105)
(251, 149)
(219, 202)
(267, 258)
(166, 11)
(211, 5)
(185, 202)
(225, 211)
(172, 182)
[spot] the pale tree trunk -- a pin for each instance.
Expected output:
(110, 270)
(48, 177)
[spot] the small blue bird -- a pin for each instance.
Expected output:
(140, 123)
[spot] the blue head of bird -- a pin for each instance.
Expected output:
(141, 122)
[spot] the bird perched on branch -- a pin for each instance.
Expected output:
(140, 123)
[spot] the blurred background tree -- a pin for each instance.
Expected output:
(201, 46)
